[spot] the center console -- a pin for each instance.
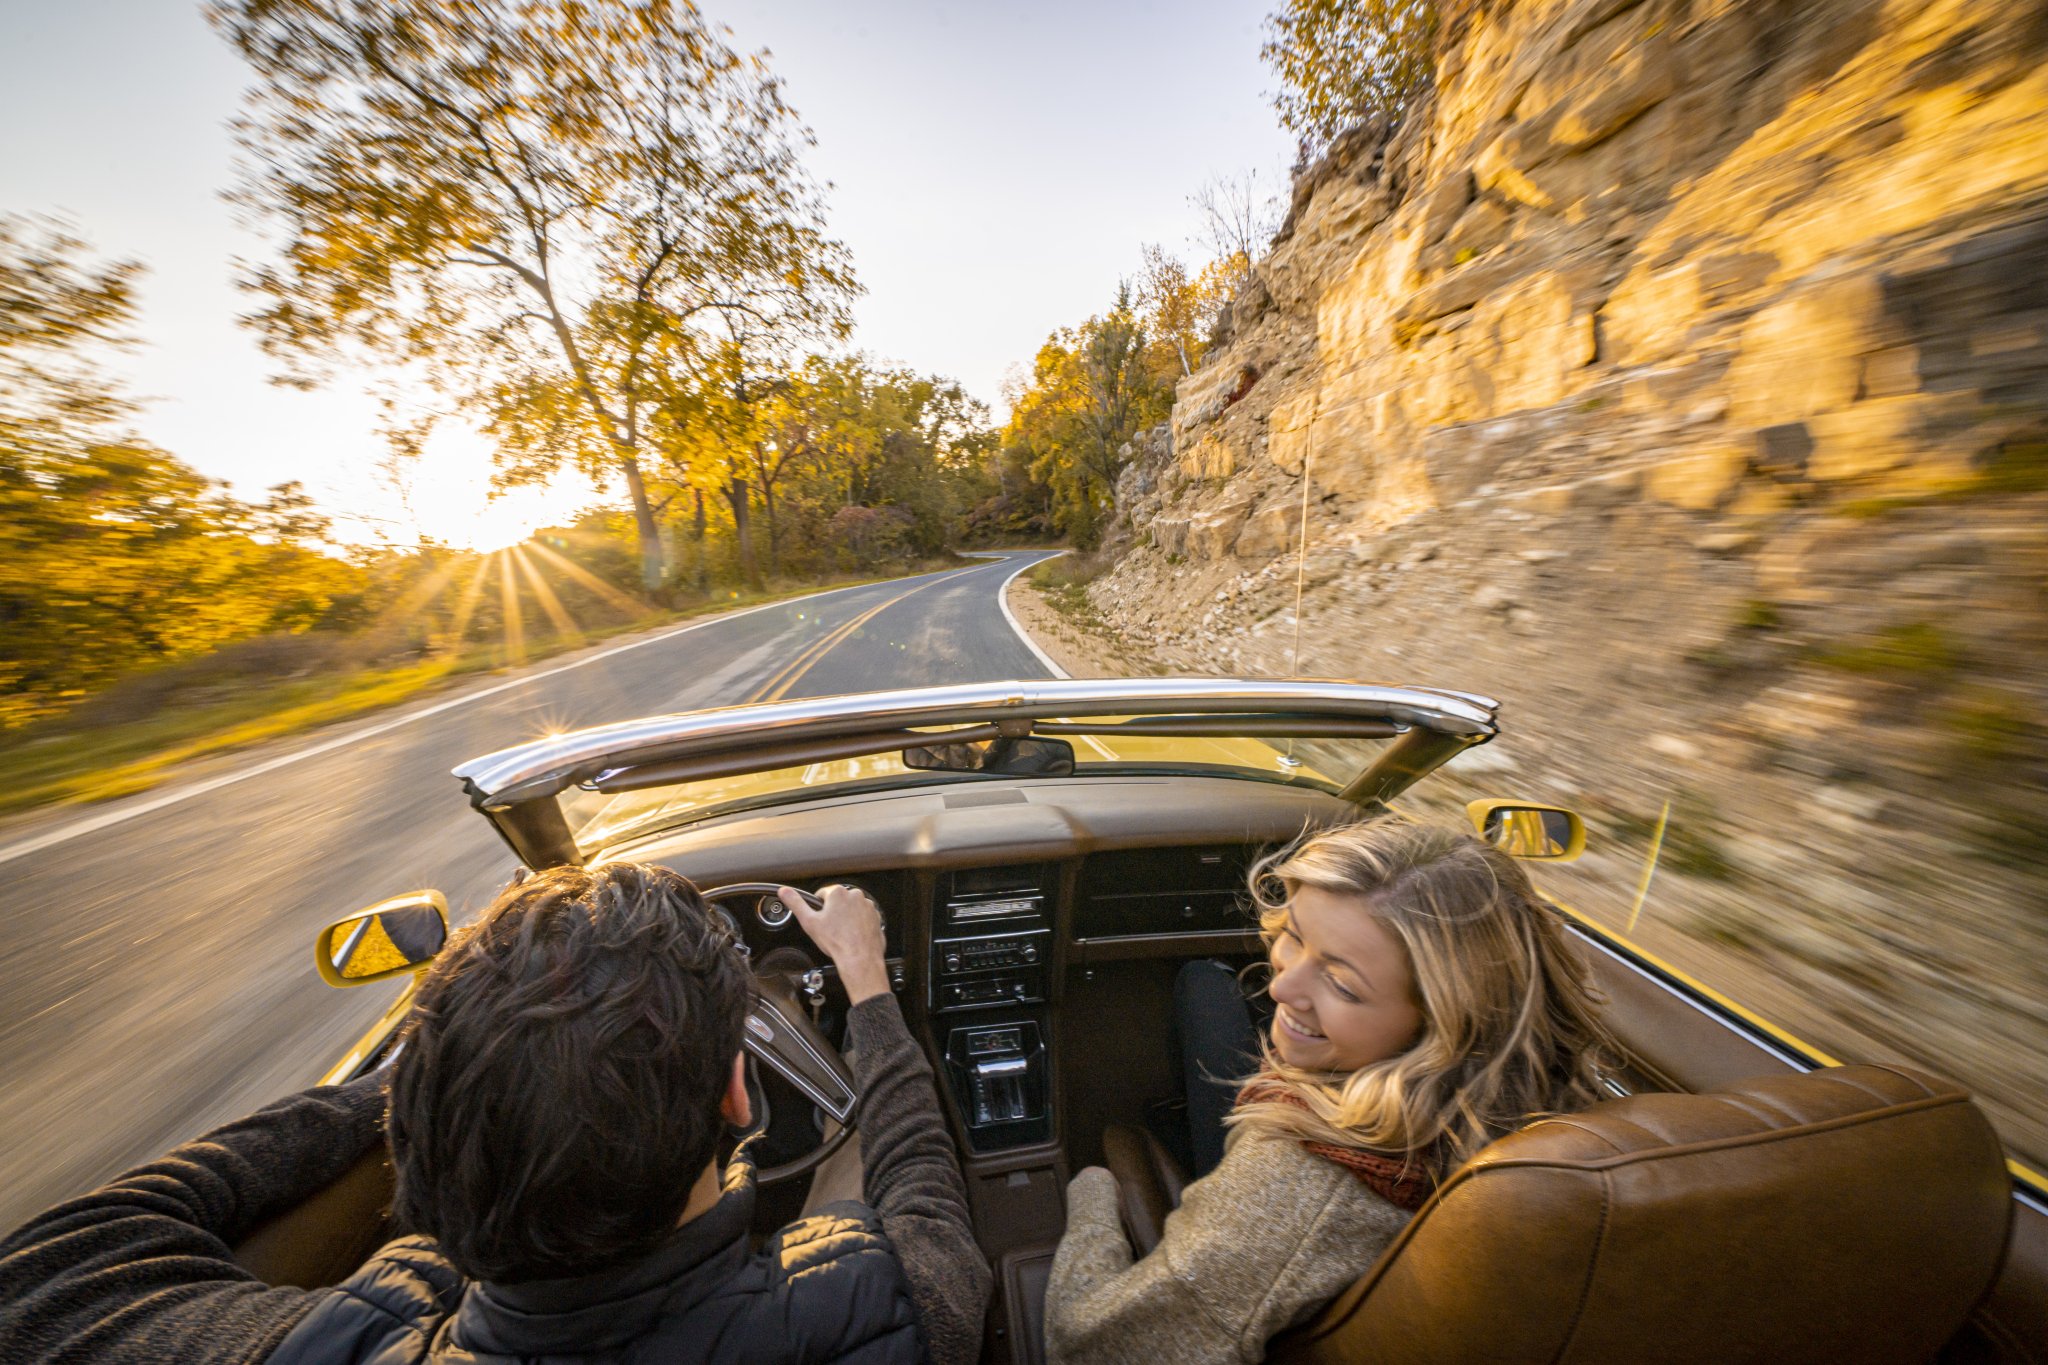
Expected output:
(991, 958)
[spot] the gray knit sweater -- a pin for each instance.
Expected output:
(1256, 1246)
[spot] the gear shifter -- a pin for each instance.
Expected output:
(996, 1089)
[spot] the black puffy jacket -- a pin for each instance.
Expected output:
(143, 1270)
(825, 1288)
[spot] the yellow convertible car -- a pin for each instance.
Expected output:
(1048, 853)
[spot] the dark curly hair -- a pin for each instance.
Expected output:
(557, 1090)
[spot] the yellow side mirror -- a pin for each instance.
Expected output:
(389, 939)
(1523, 830)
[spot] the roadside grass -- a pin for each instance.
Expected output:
(59, 764)
(1063, 582)
(1918, 649)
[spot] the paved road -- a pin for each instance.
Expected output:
(156, 973)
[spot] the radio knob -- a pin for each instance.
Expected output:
(1029, 952)
(952, 962)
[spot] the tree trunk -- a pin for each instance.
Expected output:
(643, 523)
(697, 532)
(737, 493)
(774, 539)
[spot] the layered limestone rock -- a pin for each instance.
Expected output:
(1680, 375)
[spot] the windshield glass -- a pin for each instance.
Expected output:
(600, 819)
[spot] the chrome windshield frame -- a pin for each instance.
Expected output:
(516, 787)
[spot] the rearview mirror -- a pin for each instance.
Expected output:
(1522, 830)
(390, 938)
(1029, 757)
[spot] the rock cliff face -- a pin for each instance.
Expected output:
(1680, 376)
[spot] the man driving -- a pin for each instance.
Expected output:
(553, 1115)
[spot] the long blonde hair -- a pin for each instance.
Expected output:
(1511, 1025)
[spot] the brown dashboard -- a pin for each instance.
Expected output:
(995, 894)
(928, 829)
(1120, 868)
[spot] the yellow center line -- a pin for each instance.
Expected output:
(786, 677)
(778, 686)
(775, 687)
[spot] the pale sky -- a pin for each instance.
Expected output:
(995, 167)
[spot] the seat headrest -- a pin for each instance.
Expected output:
(1855, 1213)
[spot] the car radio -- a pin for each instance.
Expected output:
(990, 969)
(998, 950)
(994, 942)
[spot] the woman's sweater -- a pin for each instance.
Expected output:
(1256, 1246)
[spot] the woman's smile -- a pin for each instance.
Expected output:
(1291, 1022)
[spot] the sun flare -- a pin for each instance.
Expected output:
(452, 500)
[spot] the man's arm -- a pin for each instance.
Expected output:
(141, 1269)
(910, 1174)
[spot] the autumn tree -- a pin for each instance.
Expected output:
(842, 433)
(114, 556)
(1181, 307)
(710, 430)
(542, 203)
(1342, 61)
(1090, 391)
(1005, 501)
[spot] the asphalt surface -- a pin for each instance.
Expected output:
(156, 974)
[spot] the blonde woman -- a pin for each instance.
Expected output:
(1424, 1003)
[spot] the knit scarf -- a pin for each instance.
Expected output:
(1401, 1181)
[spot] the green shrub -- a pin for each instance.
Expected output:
(1919, 649)
(1694, 837)
(1760, 614)
(1991, 724)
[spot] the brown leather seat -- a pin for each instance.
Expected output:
(1148, 1182)
(1851, 1214)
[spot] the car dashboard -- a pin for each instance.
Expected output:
(996, 896)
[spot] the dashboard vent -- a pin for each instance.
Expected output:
(1164, 891)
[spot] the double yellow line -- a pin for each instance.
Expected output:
(777, 687)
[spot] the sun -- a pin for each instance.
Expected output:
(452, 500)
(501, 522)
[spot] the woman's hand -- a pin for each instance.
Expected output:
(848, 929)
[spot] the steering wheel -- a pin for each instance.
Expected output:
(780, 1035)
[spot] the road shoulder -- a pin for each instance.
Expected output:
(1084, 651)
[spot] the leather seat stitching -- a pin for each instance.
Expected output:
(1760, 1109)
(1588, 1130)
(1738, 1140)
(1838, 1075)
(1592, 1268)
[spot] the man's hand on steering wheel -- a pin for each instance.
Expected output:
(847, 927)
